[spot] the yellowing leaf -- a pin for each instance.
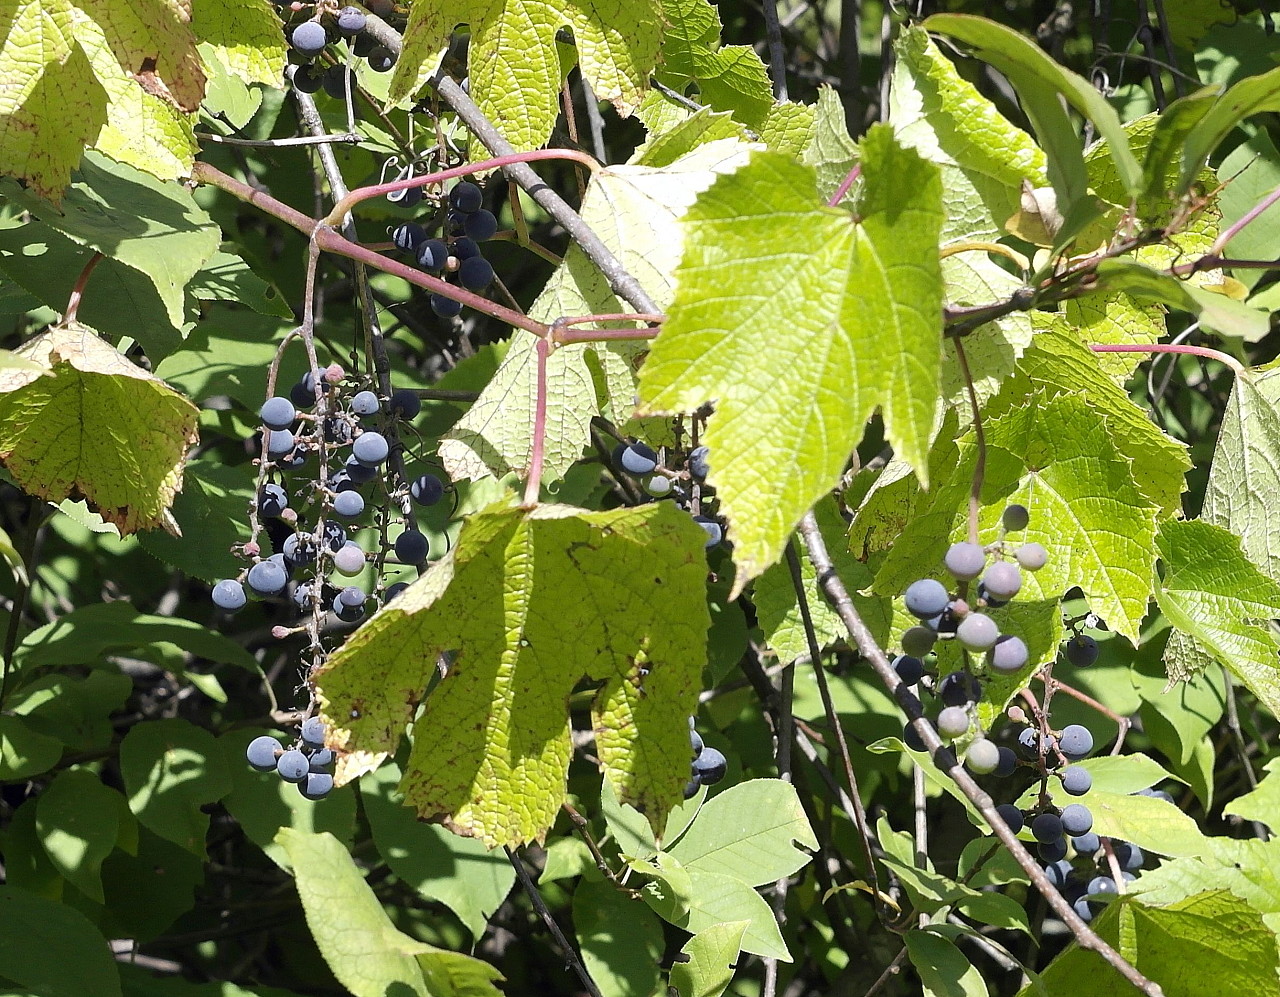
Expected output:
(517, 84)
(798, 321)
(123, 78)
(93, 425)
(245, 36)
(525, 606)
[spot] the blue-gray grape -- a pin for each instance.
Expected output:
(228, 595)
(426, 489)
(381, 59)
(262, 751)
(1101, 884)
(714, 531)
(370, 449)
(1002, 580)
(349, 559)
(445, 306)
(1082, 650)
(267, 578)
(1052, 851)
(320, 759)
(308, 38)
(1047, 827)
(293, 766)
(1008, 654)
(281, 443)
(699, 467)
(1076, 781)
(710, 766)
(638, 458)
(349, 504)
(1031, 556)
(316, 785)
(965, 561)
(412, 547)
(351, 21)
(364, 403)
(313, 732)
(1086, 844)
(277, 413)
(1076, 740)
(1076, 819)
(953, 721)
(926, 598)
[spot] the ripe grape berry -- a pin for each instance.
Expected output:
(466, 197)
(228, 595)
(351, 21)
(364, 403)
(432, 254)
(281, 443)
(1008, 654)
(444, 306)
(335, 83)
(370, 449)
(1046, 828)
(475, 274)
(1082, 650)
(1031, 556)
(1011, 815)
(464, 248)
(909, 669)
(926, 598)
(1052, 851)
(977, 632)
(699, 467)
(262, 751)
(412, 547)
(426, 489)
(349, 504)
(409, 236)
(480, 225)
(404, 403)
(267, 578)
(349, 559)
(277, 413)
(959, 689)
(307, 80)
(1086, 844)
(1076, 740)
(1002, 580)
(308, 38)
(715, 532)
(313, 732)
(710, 766)
(316, 786)
(1076, 819)
(965, 561)
(1008, 763)
(293, 766)
(638, 458)
(381, 59)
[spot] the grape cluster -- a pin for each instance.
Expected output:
(947, 616)
(456, 253)
(313, 545)
(309, 39)
(679, 477)
(707, 767)
(308, 764)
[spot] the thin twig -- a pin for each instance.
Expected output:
(539, 905)
(532, 485)
(1198, 351)
(1237, 740)
(980, 463)
(777, 55)
(945, 759)
(342, 138)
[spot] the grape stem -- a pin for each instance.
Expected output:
(77, 291)
(1122, 723)
(980, 462)
(1198, 351)
(945, 759)
(562, 335)
(849, 180)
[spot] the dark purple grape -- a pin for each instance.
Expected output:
(480, 225)
(404, 403)
(466, 197)
(408, 236)
(464, 248)
(959, 689)
(1052, 851)
(307, 80)
(381, 59)
(1012, 816)
(1015, 517)
(412, 547)
(1076, 781)
(445, 307)
(715, 532)
(1076, 819)
(710, 766)
(432, 254)
(335, 82)
(426, 489)
(1076, 741)
(909, 669)
(1047, 827)
(1008, 763)
(228, 595)
(1082, 650)
(308, 38)
(351, 21)
(638, 458)
(475, 274)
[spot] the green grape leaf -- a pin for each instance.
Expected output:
(1251, 95)
(983, 157)
(78, 820)
(518, 86)
(123, 79)
(1263, 803)
(25, 752)
(148, 887)
(1042, 85)
(1211, 942)
(530, 602)
(790, 126)
(1211, 592)
(128, 216)
(636, 211)
(262, 802)
(171, 769)
(83, 636)
(1152, 824)
(210, 513)
(749, 832)
(664, 148)
(1245, 867)
(620, 939)
(711, 953)
(829, 150)
(1178, 718)
(795, 376)
(1059, 361)
(357, 939)
(229, 278)
(630, 830)
(778, 609)
(469, 879)
(94, 425)
(244, 38)
(1054, 454)
(52, 949)
(120, 301)
(730, 78)
(1108, 318)
(943, 969)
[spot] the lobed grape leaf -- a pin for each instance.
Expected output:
(1206, 943)
(636, 212)
(528, 603)
(1054, 454)
(729, 78)
(94, 425)
(121, 78)
(983, 157)
(244, 38)
(1212, 593)
(1263, 803)
(797, 344)
(790, 126)
(1245, 867)
(366, 952)
(829, 150)
(518, 86)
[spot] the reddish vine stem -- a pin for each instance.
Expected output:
(562, 335)
(77, 291)
(945, 759)
(350, 200)
(332, 242)
(1198, 351)
(1122, 723)
(850, 178)
(533, 483)
(980, 464)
